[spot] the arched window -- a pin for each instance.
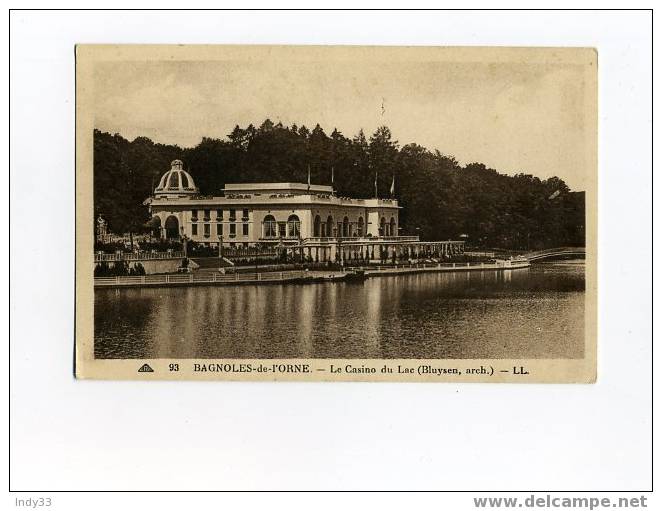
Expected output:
(293, 226)
(172, 227)
(173, 182)
(270, 227)
(382, 227)
(317, 227)
(329, 226)
(392, 228)
(345, 227)
(360, 227)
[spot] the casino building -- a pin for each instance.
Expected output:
(283, 214)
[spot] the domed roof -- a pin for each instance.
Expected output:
(176, 181)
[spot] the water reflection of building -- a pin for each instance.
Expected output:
(287, 214)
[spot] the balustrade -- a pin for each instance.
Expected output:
(137, 256)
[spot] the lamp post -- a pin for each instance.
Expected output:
(184, 245)
(340, 256)
(300, 247)
(184, 266)
(255, 259)
(220, 251)
(281, 251)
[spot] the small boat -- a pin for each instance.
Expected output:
(355, 276)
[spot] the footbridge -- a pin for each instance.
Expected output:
(555, 252)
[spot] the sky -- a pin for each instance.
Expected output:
(513, 116)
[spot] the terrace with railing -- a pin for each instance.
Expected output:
(233, 199)
(248, 252)
(137, 256)
(205, 278)
(360, 239)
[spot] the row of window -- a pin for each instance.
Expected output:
(329, 228)
(206, 230)
(271, 228)
(292, 228)
(206, 215)
(289, 229)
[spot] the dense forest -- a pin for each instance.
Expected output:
(440, 198)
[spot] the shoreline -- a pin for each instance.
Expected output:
(294, 276)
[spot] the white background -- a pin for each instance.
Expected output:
(85, 435)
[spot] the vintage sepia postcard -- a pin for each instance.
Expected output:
(331, 213)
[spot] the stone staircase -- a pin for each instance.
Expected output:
(211, 263)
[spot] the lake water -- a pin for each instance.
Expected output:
(528, 313)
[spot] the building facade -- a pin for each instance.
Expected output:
(264, 213)
(307, 220)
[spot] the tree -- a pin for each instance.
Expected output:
(440, 198)
(383, 152)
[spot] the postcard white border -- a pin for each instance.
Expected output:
(308, 435)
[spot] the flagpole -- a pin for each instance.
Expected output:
(309, 177)
(376, 194)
